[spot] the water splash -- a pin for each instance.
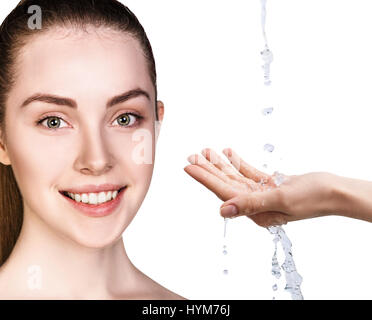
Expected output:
(278, 178)
(292, 277)
(275, 270)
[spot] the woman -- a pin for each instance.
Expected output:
(78, 119)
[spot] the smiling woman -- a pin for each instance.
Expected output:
(78, 115)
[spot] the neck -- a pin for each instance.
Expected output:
(48, 265)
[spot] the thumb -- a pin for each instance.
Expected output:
(250, 204)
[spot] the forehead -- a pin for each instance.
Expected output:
(82, 61)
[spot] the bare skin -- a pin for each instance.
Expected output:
(255, 194)
(72, 255)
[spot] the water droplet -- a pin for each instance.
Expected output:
(278, 178)
(269, 147)
(263, 181)
(225, 226)
(267, 111)
(267, 56)
(275, 287)
(225, 272)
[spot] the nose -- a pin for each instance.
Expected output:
(94, 157)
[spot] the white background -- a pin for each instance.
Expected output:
(211, 81)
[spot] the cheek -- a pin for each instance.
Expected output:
(136, 160)
(139, 154)
(35, 162)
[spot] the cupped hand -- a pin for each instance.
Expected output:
(258, 195)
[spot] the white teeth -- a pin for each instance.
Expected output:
(101, 197)
(94, 198)
(84, 198)
(77, 197)
(109, 195)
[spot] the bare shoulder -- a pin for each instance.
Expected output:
(155, 291)
(165, 294)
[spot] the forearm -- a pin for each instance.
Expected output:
(351, 198)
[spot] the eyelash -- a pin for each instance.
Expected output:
(139, 119)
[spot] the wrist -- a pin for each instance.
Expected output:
(336, 195)
(341, 196)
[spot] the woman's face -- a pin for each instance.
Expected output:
(91, 139)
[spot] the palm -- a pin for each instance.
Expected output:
(224, 180)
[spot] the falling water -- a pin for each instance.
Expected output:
(266, 54)
(292, 277)
(224, 249)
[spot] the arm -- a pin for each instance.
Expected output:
(298, 196)
(352, 198)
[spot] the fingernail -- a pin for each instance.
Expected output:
(227, 152)
(191, 159)
(229, 211)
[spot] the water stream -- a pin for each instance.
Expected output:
(292, 277)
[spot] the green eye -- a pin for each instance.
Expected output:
(53, 123)
(125, 120)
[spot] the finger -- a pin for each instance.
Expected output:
(226, 168)
(199, 160)
(252, 203)
(211, 182)
(244, 168)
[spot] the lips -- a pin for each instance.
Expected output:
(99, 210)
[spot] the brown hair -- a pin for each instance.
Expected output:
(14, 33)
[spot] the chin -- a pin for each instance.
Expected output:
(95, 242)
(98, 237)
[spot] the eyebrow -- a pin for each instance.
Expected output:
(62, 101)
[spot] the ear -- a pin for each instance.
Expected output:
(160, 107)
(4, 158)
